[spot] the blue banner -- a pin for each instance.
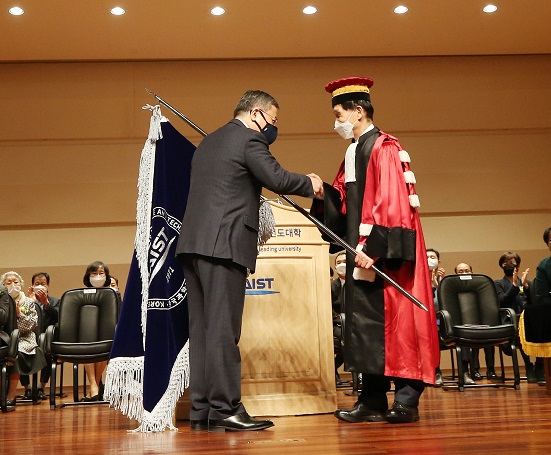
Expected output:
(149, 366)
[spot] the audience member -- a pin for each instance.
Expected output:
(436, 274)
(30, 358)
(542, 282)
(515, 292)
(39, 292)
(337, 303)
(97, 276)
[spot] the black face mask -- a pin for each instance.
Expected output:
(509, 269)
(269, 131)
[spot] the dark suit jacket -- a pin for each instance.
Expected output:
(228, 171)
(336, 294)
(50, 315)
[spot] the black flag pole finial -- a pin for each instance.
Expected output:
(315, 221)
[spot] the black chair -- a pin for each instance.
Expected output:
(9, 339)
(84, 333)
(470, 317)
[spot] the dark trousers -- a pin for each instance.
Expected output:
(375, 388)
(216, 296)
(489, 355)
(44, 375)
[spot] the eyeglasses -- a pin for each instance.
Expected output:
(274, 119)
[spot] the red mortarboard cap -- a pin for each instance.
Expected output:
(349, 88)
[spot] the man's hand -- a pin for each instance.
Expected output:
(436, 276)
(523, 278)
(363, 260)
(317, 185)
(39, 296)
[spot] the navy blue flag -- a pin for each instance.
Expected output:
(149, 366)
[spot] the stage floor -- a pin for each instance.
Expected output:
(484, 421)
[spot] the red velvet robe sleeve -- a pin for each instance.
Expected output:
(387, 206)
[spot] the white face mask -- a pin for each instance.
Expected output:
(14, 290)
(39, 287)
(345, 129)
(433, 263)
(97, 281)
(341, 268)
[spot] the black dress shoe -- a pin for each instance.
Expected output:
(239, 422)
(491, 374)
(90, 399)
(476, 375)
(10, 405)
(199, 425)
(28, 394)
(402, 413)
(360, 413)
(41, 395)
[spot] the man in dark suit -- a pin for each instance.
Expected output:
(218, 243)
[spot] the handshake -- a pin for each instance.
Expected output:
(317, 185)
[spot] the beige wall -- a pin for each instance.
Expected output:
(477, 128)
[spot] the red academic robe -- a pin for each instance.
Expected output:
(391, 229)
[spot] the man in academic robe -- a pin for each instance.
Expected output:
(372, 204)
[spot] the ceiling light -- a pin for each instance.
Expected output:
(117, 11)
(309, 10)
(217, 11)
(401, 9)
(490, 8)
(16, 11)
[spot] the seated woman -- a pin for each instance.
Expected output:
(97, 276)
(30, 358)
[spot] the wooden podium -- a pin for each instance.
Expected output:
(287, 337)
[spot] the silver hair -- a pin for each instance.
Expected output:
(4, 275)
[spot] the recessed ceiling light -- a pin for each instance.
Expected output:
(490, 8)
(309, 10)
(117, 11)
(16, 11)
(217, 11)
(401, 9)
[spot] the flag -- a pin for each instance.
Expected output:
(148, 368)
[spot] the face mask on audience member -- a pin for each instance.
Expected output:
(341, 268)
(509, 269)
(14, 290)
(433, 263)
(39, 287)
(97, 281)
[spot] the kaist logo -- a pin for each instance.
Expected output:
(260, 286)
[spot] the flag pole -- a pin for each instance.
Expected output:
(315, 221)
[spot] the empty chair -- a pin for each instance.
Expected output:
(470, 317)
(84, 333)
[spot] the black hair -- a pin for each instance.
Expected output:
(366, 105)
(509, 255)
(254, 99)
(546, 235)
(340, 253)
(93, 267)
(435, 252)
(39, 274)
